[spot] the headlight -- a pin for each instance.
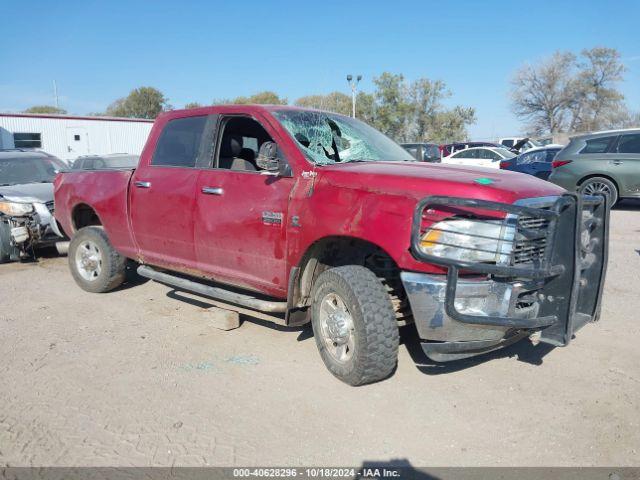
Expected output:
(15, 209)
(470, 240)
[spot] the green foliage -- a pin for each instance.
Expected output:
(261, 98)
(45, 109)
(407, 112)
(191, 105)
(143, 102)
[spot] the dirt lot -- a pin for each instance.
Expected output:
(137, 377)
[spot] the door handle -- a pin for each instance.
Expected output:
(140, 184)
(213, 190)
(616, 162)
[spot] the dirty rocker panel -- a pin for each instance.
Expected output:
(566, 280)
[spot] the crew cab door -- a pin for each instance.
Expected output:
(163, 192)
(241, 213)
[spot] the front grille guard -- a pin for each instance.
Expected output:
(571, 294)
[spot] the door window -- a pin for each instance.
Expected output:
(629, 144)
(466, 154)
(507, 143)
(183, 143)
(597, 145)
(239, 144)
(486, 154)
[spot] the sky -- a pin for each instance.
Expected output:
(204, 50)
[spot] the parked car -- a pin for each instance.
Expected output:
(450, 148)
(423, 152)
(479, 157)
(536, 162)
(26, 202)
(316, 217)
(113, 160)
(603, 162)
(519, 144)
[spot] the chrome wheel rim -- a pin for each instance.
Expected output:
(337, 328)
(89, 260)
(596, 188)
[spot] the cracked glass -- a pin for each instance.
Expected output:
(327, 138)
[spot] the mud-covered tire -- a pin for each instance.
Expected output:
(112, 271)
(373, 324)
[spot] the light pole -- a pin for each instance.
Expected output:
(354, 89)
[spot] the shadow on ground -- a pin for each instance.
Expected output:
(523, 350)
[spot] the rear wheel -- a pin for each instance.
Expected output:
(354, 325)
(95, 265)
(600, 186)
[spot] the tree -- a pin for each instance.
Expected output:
(414, 112)
(337, 102)
(261, 98)
(542, 95)
(407, 112)
(143, 102)
(45, 109)
(566, 93)
(598, 103)
(393, 107)
(192, 105)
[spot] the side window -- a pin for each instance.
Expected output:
(629, 144)
(486, 154)
(239, 144)
(597, 145)
(181, 143)
(551, 154)
(466, 154)
(507, 143)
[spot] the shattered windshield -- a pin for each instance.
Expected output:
(327, 138)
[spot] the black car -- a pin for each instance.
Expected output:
(423, 152)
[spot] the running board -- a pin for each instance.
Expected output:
(212, 292)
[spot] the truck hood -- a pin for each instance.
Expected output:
(28, 193)
(418, 179)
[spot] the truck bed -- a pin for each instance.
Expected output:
(107, 193)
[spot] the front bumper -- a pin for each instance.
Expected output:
(492, 305)
(37, 229)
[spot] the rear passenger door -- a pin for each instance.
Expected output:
(162, 192)
(624, 163)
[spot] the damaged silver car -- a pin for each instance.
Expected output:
(26, 203)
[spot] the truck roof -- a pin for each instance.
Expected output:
(245, 108)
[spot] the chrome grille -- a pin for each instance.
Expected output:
(531, 240)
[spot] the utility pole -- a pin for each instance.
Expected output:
(354, 89)
(55, 94)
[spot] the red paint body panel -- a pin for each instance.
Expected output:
(226, 238)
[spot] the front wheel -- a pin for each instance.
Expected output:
(354, 325)
(600, 186)
(95, 265)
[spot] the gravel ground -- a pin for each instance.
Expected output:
(138, 377)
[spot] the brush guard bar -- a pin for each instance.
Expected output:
(569, 275)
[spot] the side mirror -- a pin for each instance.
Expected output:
(268, 157)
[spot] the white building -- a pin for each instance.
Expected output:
(68, 137)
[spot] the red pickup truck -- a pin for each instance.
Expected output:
(316, 217)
